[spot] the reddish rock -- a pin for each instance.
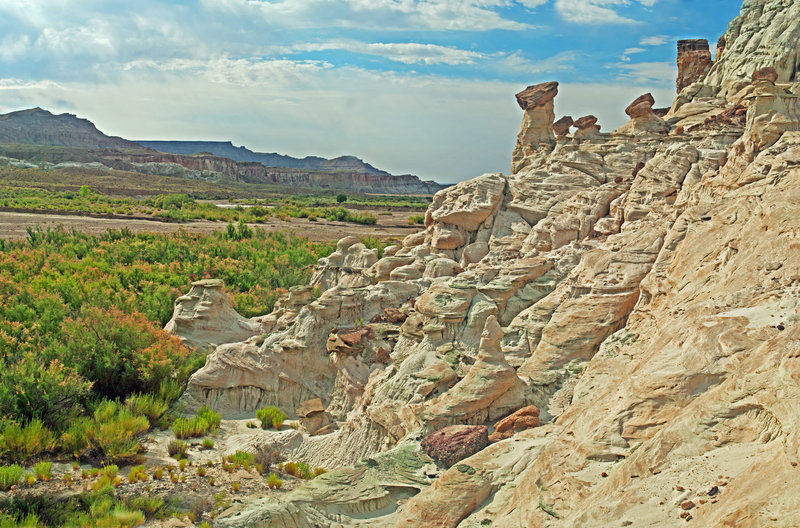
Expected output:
(639, 166)
(390, 315)
(456, 442)
(688, 505)
(734, 116)
(721, 43)
(694, 60)
(537, 95)
(350, 342)
(525, 418)
(765, 74)
(618, 179)
(641, 106)
(561, 127)
(660, 112)
(382, 356)
(585, 122)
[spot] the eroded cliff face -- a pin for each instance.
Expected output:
(640, 288)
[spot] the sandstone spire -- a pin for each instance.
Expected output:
(537, 123)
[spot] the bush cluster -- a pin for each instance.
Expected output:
(204, 422)
(271, 417)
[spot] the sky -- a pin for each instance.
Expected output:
(424, 87)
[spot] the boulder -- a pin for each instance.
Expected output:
(525, 418)
(561, 127)
(641, 106)
(537, 95)
(452, 444)
(765, 74)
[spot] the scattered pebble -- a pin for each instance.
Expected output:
(688, 505)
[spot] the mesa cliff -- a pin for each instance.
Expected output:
(606, 337)
(48, 140)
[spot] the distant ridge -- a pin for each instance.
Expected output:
(37, 126)
(27, 135)
(228, 150)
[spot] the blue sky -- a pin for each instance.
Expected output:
(412, 86)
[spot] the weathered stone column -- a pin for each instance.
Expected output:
(537, 123)
(694, 61)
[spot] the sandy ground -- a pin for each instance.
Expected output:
(14, 225)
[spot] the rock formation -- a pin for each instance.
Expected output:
(536, 131)
(205, 317)
(640, 291)
(694, 60)
(643, 119)
(561, 127)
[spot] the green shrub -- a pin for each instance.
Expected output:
(43, 470)
(148, 405)
(117, 437)
(177, 449)
(23, 443)
(341, 198)
(416, 219)
(137, 474)
(10, 476)
(78, 437)
(207, 443)
(242, 458)
(304, 470)
(274, 482)
(204, 422)
(271, 417)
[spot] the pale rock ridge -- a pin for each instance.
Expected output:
(640, 289)
(764, 34)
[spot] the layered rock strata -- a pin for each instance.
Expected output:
(694, 60)
(638, 290)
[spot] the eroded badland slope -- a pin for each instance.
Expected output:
(640, 288)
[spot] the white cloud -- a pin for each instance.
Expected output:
(631, 51)
(438, 15)
(597, 11)
(563, 61)
(19, 84)
(531, 4)
(650, 72)
(405, 52)
(655, 40)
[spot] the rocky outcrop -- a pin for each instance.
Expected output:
(764, 34)
(449, 445)
(587, 127)
(643, 119)
(536, 131)
(205, 317)
(694, 61)
(623, 311)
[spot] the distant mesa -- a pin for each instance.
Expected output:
(80, 141)
(226, 149)
(37, 126)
